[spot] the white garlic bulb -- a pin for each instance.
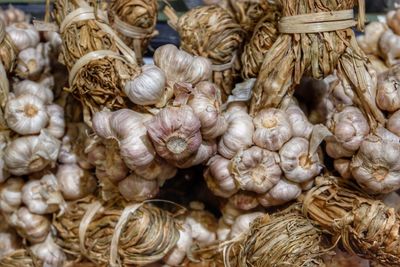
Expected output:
(242, 223)
(34, 88)
(30, 154)
(49, 253)
(239, 134)
(30, 64)
(175, 133)
(180, 66)
(102, 124)
(182, 247)
(376, 166)
(206, 104)
(369, 41)
(296, 162)
(56, 126)
(342, 166)
(218, 177)
(33, 227)
(137, 188)
(300, 125)
(283, 192)
(9, 242)
(230, 213)
(11, 194)
(256, 169)
(23, 35)
(26, 114)
(202, 224)
(244, 200)
(272, 129)
(206, 150)
(75, 182)
(148, 87)
(393, 124)
(388, 93)
(389, 45)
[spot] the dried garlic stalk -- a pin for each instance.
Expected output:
(17, 258)
(8, 50)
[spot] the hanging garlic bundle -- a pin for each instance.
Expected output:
(8, 50)
(211, 32)
(366, 227)
(135, 21)
(124, 238)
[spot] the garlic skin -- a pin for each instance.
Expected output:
(12, 15)
(206, 150)
(230, 213)
(34, 88)
(206, 104)
(388, 95)
(111, 166)
(296, 163)
(158, 169)
(244, 200)
(223, 231)
(175, 133)
(389, 45)
(11, 195)
(350, 128)
(26, 114)
(342, 166)
(393, 124)
(137, 188)
(74, 182)
(203, 226)
(218, 177)
(56, 125)
(23, 35)
(300, 125)
(341, 91)
(242, 223)
(393, 20)
(239, 134)
(102, 124)
(283, 192)
(9, 242)
(33, 227)
(369, 41)
(148, 87)
(256, 169)
(272, 129)
(30, 64)
(182, 248)
(376, 166)
(180, 66)
(49, 253)
(30, 154)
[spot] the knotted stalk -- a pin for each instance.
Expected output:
(365, 226)
(18, 258)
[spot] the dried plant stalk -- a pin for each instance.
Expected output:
(17, 258)
(315, 38)
(4, 90)
(8, 51)
(114, 235)
(286, 238)
(135, 21)
(366, 227)
(211, 32)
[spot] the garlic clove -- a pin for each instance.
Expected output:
(11, 194)
(393, 124)
(136, 188)
(301, 127)
(389, 47)
(369, 41)
(33, 88)
(9, 242)
(342, 166)
(218, 177)
(49, 253)
(243, 222)
(182, 247)
(230, 212)
(206, 150)
(388, 95)
(283, 192)
(223, 231)
(101, 124)
(56, 126)
(204, 227)
(158, 169)
(23, 35)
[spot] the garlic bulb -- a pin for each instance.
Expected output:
(300, 125)
(137, 188)
(369, 41)
(11, 194)
(49, 253)
(23, 35)
(393, 20)
(283, 192)
(223, 230)
(341, 91)
(206, 150)
(158, 169)
(33, 227)
(42, 196)
(239, 133)
(393, 124)
(12, 15)
(242, 223)
(30, 154)
(388, 93)
(230, 213)
(34, 88)
(376, 166)
(30, 64)
(244, 200)
(202, 224)
(350, 128)
(342, 166)
(74, 182)
(102, 124)
(206, 104)
(389, 45)
(111, 166)
(26, 114)
(256, 169)
(9, 242)
(180, 66)
(272, 129)
(175, 133)
(182, 247)
(296, 163)
(218, 177)
(56, 126)
(148, 87)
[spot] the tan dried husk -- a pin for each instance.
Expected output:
(316, 55)
(18, 258)
(285, 238)
(138, 243)
(141, 16)
(8, 51)
(365, 226)
(211, 32)
(4, 91)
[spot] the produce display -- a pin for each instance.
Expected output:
(269, 137)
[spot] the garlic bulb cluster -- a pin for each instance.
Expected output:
(23, 34)
(48, 253)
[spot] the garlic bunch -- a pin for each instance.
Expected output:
(137, 188)
(389, 44)
(30, 154)
(9, 242)
(38, 89)
(369, 41)
(203, 224)
(182, 247)
(388, 93)
(283, 192)
(242, 223)
(23, 34)
(30, 63)
(48, 253)
(11, 195)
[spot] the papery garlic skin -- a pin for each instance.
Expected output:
(182, 247)
(389, 45)
(342, 166)
(242, 223)
(296, 163)
(283, 192)
(33, 227)
(33, 88)
(136, 188)
(218, 177)
(223, 231)
(26, 114)
(148, 87)
(388, 93)
(102, 124)
(11, 194)
(175, 133)
(369, 41)
(244, 200)
(56, 126)
(256, 169)
(300, 125)
(158, 169)
(206, 104)
(230, 213)
(111, 167)
(272, 129)
(203, 225)
(206, 150)
(23, 35)
(49, 253)
(9, 242)
(393, 124)
(74, 182)
(30, 64)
